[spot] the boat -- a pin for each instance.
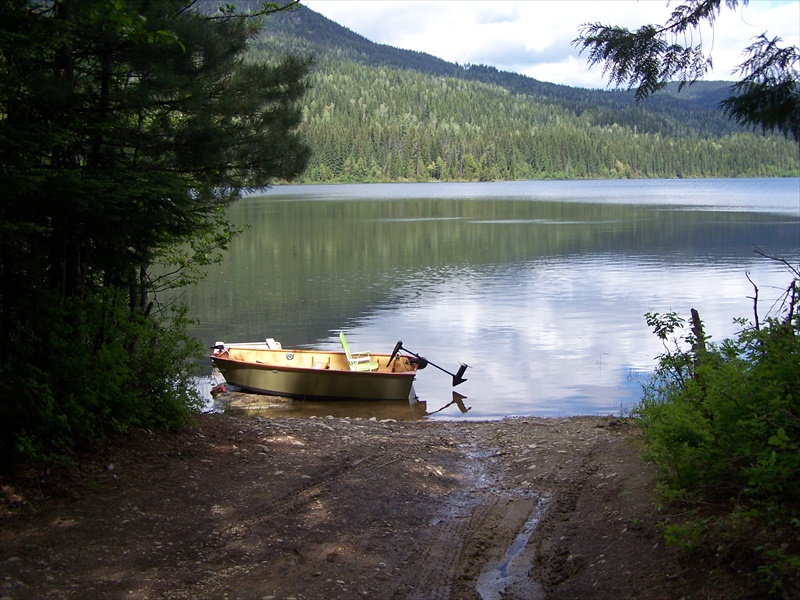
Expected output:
(268, 368)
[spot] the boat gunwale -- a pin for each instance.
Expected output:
(273, 367)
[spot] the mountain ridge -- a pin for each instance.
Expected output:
(324, 33)
(374, 112)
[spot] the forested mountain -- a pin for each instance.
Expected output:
(378, 113)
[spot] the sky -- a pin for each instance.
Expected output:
(534, 37)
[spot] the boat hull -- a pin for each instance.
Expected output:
(313, 374)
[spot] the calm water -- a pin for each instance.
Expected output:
(540, 287)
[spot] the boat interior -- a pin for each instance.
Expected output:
(311, 359)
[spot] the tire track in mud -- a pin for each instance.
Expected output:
(455, 550)
(484, 542)
(437, 566)
(510, 577)
(555, 559)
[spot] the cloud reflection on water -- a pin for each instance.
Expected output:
(540, 287)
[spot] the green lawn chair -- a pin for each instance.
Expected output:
(358, 361)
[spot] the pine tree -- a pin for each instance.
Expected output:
(125, 131)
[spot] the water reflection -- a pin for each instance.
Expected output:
(236, 402)
(273, 406)
(542, 294)
(457, 401)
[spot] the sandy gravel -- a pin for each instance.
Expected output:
(340, 508)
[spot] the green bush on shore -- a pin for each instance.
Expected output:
(104, 369)
(722, 423)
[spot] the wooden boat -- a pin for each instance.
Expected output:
(267, 368)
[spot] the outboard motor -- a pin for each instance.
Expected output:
(420, 361)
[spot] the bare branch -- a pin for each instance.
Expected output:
(754, 298)
(794, 270)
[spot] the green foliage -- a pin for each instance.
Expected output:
(692, 112)
(76, 380)
(769, 93)
(767, 96)
(370, 124)
(652, 55)
(722, 422)
(380, 114)
(126, 129)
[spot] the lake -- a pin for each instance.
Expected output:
(539, 286)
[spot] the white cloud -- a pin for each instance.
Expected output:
(534, 38)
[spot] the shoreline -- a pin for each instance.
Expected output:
(345, 508)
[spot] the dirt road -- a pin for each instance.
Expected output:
(337, 508)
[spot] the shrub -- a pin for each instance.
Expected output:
(722, 422)
(78, 374)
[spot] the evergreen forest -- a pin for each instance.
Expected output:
(128, 128)
(378, 114)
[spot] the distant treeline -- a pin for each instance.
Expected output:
(372, 117)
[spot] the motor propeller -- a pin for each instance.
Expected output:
(423, 362)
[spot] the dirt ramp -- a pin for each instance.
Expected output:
(340, 508)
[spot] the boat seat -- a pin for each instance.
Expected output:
(358, 361)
